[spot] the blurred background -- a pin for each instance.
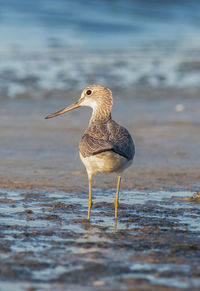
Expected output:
(62, 46)
(146, 51)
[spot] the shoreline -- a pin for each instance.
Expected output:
(36, 153)
(156, 233)
(76, 181)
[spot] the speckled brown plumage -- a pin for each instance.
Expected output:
(105, 146)
(106, 136)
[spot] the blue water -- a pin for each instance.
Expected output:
(62, 45)
(101, 23)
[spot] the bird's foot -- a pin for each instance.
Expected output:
(115, 225)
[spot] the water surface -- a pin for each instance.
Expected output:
(66, 45)
(47, 242)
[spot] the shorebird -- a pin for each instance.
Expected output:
(105, 146)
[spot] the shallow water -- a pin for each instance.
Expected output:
(93, 24)
(47, 243)
(52, 46)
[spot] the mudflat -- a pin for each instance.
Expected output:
(46, 241)
(42, 153)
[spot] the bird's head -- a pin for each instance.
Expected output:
(98, 97)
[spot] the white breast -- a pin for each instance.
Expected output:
(105, 162)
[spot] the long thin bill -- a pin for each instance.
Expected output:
(66, 109)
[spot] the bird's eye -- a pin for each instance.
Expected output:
(88, 92)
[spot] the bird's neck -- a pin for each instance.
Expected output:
(100, 115)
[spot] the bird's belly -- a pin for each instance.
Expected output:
(105, 162)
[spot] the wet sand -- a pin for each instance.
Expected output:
(38, 153)
(46, 240)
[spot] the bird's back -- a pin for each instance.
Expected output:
(107, 136)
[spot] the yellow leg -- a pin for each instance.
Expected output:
(90, 196)
(117, 196)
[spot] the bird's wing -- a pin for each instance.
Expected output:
(107, 137)
(121, 140)
(90, 146)
(124, 146)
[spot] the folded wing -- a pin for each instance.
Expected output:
(90, 146)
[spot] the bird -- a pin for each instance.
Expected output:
(105, 145)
